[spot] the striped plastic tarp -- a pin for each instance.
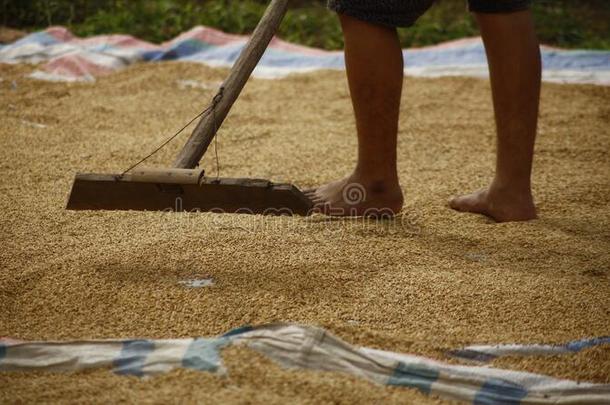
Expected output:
(305, 347)
(69, 58)
(486, 353)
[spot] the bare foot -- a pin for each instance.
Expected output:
(358, 196)
(500, 205)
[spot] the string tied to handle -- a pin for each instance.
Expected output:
(210, 109)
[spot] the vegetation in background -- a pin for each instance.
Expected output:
(564, 23)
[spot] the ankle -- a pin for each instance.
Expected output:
(375, 178)
(382, 184)
(511, 187)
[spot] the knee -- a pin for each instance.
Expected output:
(357, 28)
(349, 23)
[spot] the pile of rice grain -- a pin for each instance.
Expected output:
(432, 280)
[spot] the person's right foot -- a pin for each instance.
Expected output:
(499, 205)
(357, 196)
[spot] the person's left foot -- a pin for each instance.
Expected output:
(501, 205)
(358, 196)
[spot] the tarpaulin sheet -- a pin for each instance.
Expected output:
(306, 347)
(66, 57)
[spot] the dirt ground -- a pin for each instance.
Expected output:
(429, 281)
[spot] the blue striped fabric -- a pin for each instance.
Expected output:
(204, 354)
(133, 356)
(496, 392)
(414, 376)
(487, 353)
(578, 345)
(238, 331)
(307, 347)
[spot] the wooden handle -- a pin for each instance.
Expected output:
(204, 132)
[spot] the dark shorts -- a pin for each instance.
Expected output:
(404, 13)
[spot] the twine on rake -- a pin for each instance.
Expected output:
(210, 109)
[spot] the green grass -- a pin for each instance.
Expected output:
(564, 23)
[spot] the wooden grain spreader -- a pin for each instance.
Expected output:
(185, 187)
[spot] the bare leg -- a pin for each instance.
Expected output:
(513, 55)
(375, 73)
